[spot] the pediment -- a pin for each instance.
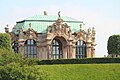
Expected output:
(30, 33)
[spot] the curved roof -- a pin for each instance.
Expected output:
(50, 18)
(41, 22)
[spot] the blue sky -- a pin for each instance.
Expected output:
(104, 15)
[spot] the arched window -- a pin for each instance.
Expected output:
(57, 49)
(80, 49)
(30, 49)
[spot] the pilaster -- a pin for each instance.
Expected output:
(21, 46)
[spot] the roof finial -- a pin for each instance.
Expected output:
(59, 14)
(45, 13)
(7, 25)
(80, 27)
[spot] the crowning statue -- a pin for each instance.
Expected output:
(59, 14)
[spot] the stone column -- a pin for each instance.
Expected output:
(49, 46)
(89, 42)
(74, 52)
(46, 52)
(93, 52)
(89, 47)
(70, 48)
(21, 46)
(70, 51)
(93, 48)
(93, 42)
(49, 51)
(74, 49)
(64, 48)
(71, 55)
(88, 50)
(39, 52)
(21, 50)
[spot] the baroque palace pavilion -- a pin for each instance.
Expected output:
(52, 37)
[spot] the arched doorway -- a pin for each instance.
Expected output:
(30, 49)
(57, 51)
(81, 51)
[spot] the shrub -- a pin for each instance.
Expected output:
(113, 45)
(14, 71)
(16, 67)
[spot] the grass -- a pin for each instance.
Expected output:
(82, 71)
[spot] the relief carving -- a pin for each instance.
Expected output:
(30, 33)
(60, 28)
(81, 35)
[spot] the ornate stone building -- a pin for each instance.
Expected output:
(53, 37)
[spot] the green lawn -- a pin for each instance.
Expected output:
(82, 71)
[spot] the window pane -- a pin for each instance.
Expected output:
(57, 56)
(28, 41)
(80, 49)
(53, 56)
(56, 49)
(32, 42)
(35, 50)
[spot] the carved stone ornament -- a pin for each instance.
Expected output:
(21, 34)
(93, 32)
(81, 35)
(30, 33)
(59, 27)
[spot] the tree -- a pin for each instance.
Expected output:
(5, 41)
(113, 45)
(15, 66)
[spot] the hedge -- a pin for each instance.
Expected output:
(80, 61)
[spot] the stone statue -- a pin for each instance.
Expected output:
(45, 13)
(49, 29)
(93, 31)
(59, 14)
(89, 31)
(81, 27)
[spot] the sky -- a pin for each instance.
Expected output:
(104, 15)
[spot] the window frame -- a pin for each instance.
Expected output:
(81, 49)
(30, 49)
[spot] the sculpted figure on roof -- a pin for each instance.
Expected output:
(59, 14)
